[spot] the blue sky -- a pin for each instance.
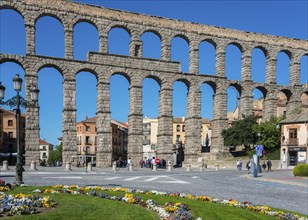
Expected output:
(282, 18)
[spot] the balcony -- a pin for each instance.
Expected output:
(88, 142)
(293, 141)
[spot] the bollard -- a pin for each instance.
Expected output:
(33, 165)
(68, 166)
(114, 167)
(154, 167)
(169, 166)
(188, 168)
(5, 165)
(216, 167)
(89, 166)
(130, 167)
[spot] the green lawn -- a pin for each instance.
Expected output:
(89, 207)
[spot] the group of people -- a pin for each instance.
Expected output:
(148, 163)
(267, 165)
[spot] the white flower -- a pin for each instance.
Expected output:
(37, 191)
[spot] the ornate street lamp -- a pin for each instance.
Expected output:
(18, 101)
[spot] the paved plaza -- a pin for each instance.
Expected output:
(276, 189)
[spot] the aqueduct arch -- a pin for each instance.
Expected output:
(136, 68)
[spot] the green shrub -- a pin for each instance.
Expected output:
(301, 170)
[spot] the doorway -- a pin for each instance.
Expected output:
(293, 158)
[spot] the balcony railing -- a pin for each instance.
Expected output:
(88, 142)
(293, 142)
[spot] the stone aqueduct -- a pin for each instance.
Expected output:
(135, 68)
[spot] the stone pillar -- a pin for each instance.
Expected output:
(69, 120)
(220, 60)
(220, 120)
(246, 99)
(103, 119)
(269, 105)
(103, 41)
(294, 71)
(166, 49)
(30, 38)
(271, 69)
(246, 65)
(165, 123)
(135, 123)
(294, 105)
(32, 133)
(69, 43)
(194, 57)
(135, 48)
(193, 125)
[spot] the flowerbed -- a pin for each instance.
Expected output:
(21, 204)
(180, 211)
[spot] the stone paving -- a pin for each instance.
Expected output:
(276, 189)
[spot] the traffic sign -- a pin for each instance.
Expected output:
(259, 150)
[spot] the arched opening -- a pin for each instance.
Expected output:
(7, 71)
(282, 101)
(49, 37)
(50, 85)
(150, 110)
(151, 45)
(304, 70)
(207, 94)
(85, 40)
(258, 99)
(12, 32)
(179, 103)
(304, 99)
(180, 52)
(258, 65)
(118, 41)
(7, 114)
(86, 95)
(207, 58)
(119, 106)
(233, 102)
(233, 62)
(283, 69)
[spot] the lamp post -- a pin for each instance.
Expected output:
(16, 102)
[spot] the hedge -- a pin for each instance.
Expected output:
(301, 170)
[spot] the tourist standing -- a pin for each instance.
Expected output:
(269, 165)
(128, 163)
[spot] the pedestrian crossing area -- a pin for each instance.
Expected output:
(150, 179)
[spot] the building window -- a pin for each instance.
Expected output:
(10, 135)
(178, 128)
(10, 123)
(178, 138)
(87, 128)
(88, 140)
(183, 128)
(87, 150)
(284, 113)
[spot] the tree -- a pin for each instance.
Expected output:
(55, 155)
(241, 133)
(270, 132)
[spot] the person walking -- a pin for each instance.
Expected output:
(264, 166)
(269, 165)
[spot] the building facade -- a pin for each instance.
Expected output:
(8, 148)
(87, 140)
(45, 149)
(294, 140)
